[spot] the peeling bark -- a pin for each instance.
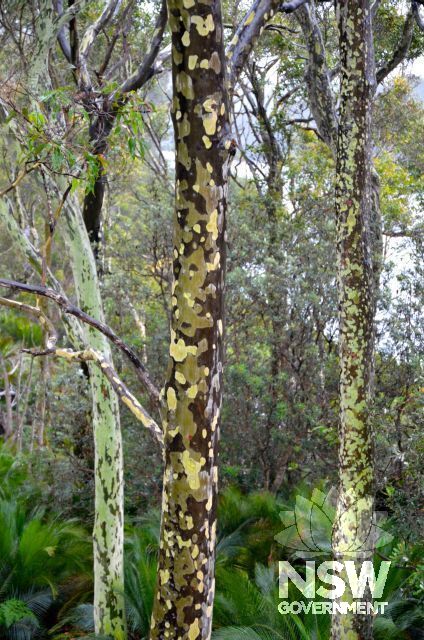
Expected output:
(193, 391)
(354, 193)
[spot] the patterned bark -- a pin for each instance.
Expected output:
(109, 614)
(108, 531)
(193, 391)
(353, 206)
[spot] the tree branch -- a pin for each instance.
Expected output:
(71, 309)
(416, 11)
(246, 35)
(37, 313)
(61, 36)
(289, 7)
(401, 51)
(121, 390)
(21, 175)
(147, 67)
(317, 76)
(33, 257)
(88, 40)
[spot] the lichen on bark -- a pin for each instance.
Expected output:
(108, 530)
(356, 298)
(193, 391)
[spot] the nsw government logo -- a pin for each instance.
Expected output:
(328, 586)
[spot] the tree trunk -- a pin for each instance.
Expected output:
(7, 421)
(109, 613)
(108, 532)
(356, 301)
(193, 391)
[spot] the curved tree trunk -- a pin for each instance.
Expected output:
(193, 391)
(354, 195)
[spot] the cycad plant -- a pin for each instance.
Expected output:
(403, 619)
(37, 557)
(140, 574)
(246, 609)
(247, 525)
(141, 547)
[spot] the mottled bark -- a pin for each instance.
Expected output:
(109, 613)
(317, 77)
(353, 208)
(193, 391)
(108, 531)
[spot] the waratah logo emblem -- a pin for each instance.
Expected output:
(308, 528)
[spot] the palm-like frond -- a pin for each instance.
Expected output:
(35, 553)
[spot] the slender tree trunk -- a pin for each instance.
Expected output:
(8, 415)
(356, 301)
(43, 409)
(193, 391)
(108, 532)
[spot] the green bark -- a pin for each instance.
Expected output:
(193, 392)
(356, 304)
(108, 531)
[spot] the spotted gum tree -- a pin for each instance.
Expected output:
(356, 301)
(193, 391)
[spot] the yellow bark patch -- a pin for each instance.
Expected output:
(192, 60)
(179, 351)
(184, 85)
(212, 225)
(209, 123)
(249, 18)
(192, 391)
(171, 399)
(203, 25)
(164, 576)
(213, 266)
(180, 377)
(194, 630)
(192, 470)
(186, 39)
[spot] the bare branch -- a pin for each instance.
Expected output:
(416, 11)
(71, 309)
(61, 36)
(317, 76)
(246, 35)
(88, 40)
(148, 67)
(21, 175)
(37, 313)
(289, 7)
(401, 51)
(121, 390)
